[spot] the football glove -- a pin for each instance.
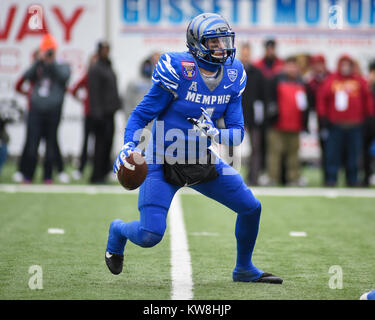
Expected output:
(125, 152)
(205, 125)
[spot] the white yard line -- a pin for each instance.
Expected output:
(298, 234)
(258, 191)
(56, 231)
(181, 270)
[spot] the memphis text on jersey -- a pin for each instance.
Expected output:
(204, 99)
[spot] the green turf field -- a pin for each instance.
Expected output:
(340, 231)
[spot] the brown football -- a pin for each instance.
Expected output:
(133, 172)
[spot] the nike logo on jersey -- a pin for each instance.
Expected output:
(226, 87)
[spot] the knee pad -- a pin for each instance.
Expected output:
(149, 239)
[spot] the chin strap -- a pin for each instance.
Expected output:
(207, 66)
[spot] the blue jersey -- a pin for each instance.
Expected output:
(179, 92)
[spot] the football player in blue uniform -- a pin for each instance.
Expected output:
(191, 91)
(368, 295)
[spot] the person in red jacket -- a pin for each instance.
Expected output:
(288, 114)
(344, 102)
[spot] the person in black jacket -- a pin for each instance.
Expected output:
(253, 105)
(49, 79)
(104, 102)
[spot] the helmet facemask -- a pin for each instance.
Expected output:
(217, 48)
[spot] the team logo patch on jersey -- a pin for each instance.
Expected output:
(232, 74)
(189, 70)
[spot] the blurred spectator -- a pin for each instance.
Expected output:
(9, 112)
(318, 73)
(104, 102)
(138, 87)
(357, 67)
(369, 133)
(47, 80)
(270, 65)
(303, 61)
(20, 88)
(344, 102)
(23, 161)
(80, 91)
(253, 105)
(289, 118)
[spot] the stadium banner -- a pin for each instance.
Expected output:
(330, 27)
(76, 26)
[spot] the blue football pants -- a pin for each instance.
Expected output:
(229, 189)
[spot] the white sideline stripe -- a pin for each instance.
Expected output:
(56, 231)
(258, 191)
(298, 234)
(181, 270)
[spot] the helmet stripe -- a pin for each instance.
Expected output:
(202, 22)
(201, 18)
(211, 24)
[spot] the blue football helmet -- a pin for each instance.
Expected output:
(210, 39)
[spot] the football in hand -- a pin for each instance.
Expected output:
(133, 172)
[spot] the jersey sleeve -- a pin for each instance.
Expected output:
(242, 83)
(165, 74)
(233, 133)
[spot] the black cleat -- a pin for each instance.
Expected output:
(114, 262)
(248, 276)
(269, 278)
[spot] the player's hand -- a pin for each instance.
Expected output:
(206, 125)
(125, 152)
